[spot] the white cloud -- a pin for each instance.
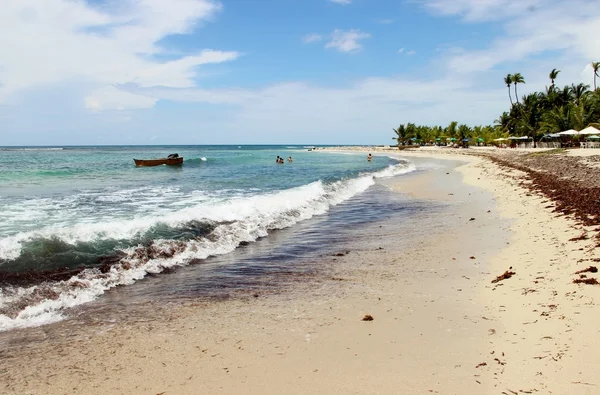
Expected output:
(531, 28)
(312, 38)
(179, 73)
(328, 114)
(483, 10)
(404, 51)
(112, 98)
(50, 42)
(347, 41)
(343, 2)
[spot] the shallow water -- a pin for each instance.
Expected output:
(77, 222)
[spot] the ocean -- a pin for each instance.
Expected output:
(76, 222)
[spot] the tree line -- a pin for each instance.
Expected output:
(533, 115)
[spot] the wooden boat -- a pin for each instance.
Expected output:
(171, 160)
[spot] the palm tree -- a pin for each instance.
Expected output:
(553, 75)
(557, 120)
(400, 135)
(464, 133)
(508, 81)
(579, 91)
(517, 79)
(451, 130)
(504, 123)
(596, 68)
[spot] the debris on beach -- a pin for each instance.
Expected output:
(506, 275)
(591, 269)
(499, 361)
(368, 317)
(342, 253)
(472, 219)
(568, 182)
(471, 257)
(480, 365)
(583, 236)
(590, 281)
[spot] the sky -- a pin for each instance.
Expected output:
(96, 72)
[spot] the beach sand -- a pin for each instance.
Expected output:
(439, 324)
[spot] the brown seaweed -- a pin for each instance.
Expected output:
(506, 275)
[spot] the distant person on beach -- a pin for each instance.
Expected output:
(369, 157)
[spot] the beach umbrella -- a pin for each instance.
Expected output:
(500, 139)
(438, 139)
(593, 138)
(590, 130)
(452, 139)
(570, 132)
(480, 139)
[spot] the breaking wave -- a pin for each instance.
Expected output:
(47, 271)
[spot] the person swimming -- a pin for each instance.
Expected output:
(369, 157)
(290, 160)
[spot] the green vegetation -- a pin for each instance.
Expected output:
(534, 115)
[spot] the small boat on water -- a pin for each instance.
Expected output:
(171, 160)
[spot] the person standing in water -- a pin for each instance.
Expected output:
(369, 157)
(290, 160)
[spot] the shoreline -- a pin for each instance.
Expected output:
(424, 303)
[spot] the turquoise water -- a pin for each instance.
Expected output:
(77, 221)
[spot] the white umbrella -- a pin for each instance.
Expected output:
(590, 130)
(570, 132)
(500, 139)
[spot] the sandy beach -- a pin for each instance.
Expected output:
(439, 324)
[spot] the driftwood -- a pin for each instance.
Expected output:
(368, 317)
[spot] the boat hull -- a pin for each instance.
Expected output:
(158, 162)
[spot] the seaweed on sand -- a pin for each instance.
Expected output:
(506, 275)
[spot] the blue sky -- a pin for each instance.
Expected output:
(274, 71)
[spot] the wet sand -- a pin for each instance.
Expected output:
(439, 324)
